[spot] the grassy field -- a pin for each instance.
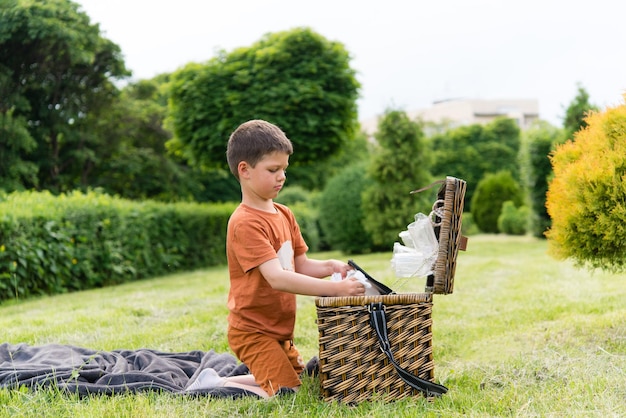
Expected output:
(522, 335)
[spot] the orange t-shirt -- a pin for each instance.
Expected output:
(254, 237)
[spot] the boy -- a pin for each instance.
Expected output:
(268, 265)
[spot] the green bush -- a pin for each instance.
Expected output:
(301, 203)
(340, 212)
(306, 215)
(491, 192)
(512, 220)
(51, 244)
(293, 194)
(468, 226)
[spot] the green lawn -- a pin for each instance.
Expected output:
(522, 335)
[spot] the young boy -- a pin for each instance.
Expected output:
(268, 265)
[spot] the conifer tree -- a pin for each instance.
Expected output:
(399, 165)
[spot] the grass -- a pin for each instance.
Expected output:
(522, 335)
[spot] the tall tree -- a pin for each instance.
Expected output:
(135, 163)
(576, 112)
(499, 146)
(61, 70)
(400, 165)
(296, 79)
(15, 141)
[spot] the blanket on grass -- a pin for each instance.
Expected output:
(85, 371)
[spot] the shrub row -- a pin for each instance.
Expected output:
(53, 244)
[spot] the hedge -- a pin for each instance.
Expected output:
(53, 244)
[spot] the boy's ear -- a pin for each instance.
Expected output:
(242, 168)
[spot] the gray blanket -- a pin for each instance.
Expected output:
(85, 371)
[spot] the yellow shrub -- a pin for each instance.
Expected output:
(587, 196)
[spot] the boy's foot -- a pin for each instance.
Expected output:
(207, 379)
(313, 367)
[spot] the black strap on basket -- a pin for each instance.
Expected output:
(378, 321)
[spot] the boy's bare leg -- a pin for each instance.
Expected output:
(245, 382)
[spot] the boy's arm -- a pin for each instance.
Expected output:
(301, 284)
(320, 268)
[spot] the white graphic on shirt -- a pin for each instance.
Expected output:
(285, 256)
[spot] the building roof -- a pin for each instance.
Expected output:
(458, 112)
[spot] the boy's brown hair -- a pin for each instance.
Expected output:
(252, 140)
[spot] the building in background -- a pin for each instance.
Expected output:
(458, 112)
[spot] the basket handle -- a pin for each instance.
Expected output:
(378, 321)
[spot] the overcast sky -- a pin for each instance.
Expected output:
(407, 53)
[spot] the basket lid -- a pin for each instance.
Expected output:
(448, 213)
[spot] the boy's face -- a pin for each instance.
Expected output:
(268, 177)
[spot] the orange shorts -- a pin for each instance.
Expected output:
(274, 364)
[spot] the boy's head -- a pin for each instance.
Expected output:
(252, 140)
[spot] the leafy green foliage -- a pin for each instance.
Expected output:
(587, 196)
(295, 79)
(135, 163)
(469, 226)
(577, 112)
(538, 141)
(302, 203)
(79, 241)
(15, 142)
(306, 215)
(56, 70)
(512, 220)
(400, 165)
(340, 211)
(315, 176)
(469, 152)
(132, 161)
(292, 195)
(491, 193)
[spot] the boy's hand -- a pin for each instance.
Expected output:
(340, 267)
(350, 287)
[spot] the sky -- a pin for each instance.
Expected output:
(407, 54)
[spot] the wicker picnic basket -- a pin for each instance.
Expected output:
(380, 346)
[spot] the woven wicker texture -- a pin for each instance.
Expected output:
(352, 366)
(452, 195)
